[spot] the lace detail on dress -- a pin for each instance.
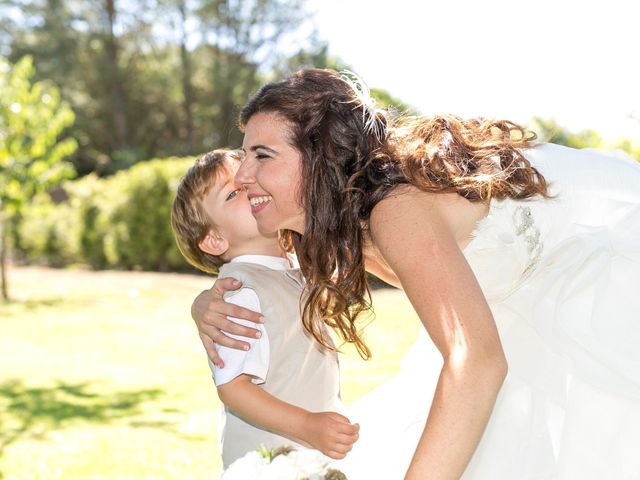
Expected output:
(526, 227)
(506, 247)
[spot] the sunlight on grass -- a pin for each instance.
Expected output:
(102, 375)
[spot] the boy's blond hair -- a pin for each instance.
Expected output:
(189, 221)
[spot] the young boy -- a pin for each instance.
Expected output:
(285, 389)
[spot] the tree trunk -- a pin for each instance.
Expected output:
(116, 91)
(187, 88)
(3, 258)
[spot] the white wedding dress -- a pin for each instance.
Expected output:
(562, 277)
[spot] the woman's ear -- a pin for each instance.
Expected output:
(214, 244)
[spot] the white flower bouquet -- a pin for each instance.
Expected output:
(284, 463)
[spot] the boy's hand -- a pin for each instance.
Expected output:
(331, 433)
(210, 312)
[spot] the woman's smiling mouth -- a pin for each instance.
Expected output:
(258, 202)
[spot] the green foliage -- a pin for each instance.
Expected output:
(548, 130)
(150, 79)
(630, 147)
(316, 57)
(88, 201)
(387, 101)
(320, 58)
(140, 233)
(48, 233)
(32, 117)
(118, 222)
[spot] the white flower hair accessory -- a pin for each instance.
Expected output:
(361, 90)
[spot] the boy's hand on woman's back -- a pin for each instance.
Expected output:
(331, 433)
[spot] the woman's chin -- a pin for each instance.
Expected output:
(267, 226)
(268, 229)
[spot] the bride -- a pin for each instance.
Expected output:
(521, 260)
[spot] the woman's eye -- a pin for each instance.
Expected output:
(261, 156)
(232, 194)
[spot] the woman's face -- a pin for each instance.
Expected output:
(270, 173)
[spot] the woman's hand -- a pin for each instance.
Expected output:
(211, 312)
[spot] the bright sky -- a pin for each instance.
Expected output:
(575, 61)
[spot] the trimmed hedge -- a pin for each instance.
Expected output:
(118, 222)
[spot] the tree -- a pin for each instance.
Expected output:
(548, 130)
(101, 55)
(115, 86)
(393, 104)
(32, 159)
(187, 72)
(316, 55)
(153, 78)
(241, 41)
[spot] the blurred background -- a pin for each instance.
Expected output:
(103, 106)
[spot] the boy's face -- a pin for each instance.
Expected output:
(235, 231)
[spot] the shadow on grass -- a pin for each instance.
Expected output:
(30, 412)
(36, 304)
(17, 307)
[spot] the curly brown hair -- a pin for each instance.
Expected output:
(352, 156)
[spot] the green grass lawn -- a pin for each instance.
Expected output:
(102, 375)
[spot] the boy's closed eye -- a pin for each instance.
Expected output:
(232, 194)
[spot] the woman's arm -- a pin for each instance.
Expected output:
(331, 433)
(413, 232)
(210, 313)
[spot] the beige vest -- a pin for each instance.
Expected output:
(300, 371)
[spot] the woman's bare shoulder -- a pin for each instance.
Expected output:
(440, 212)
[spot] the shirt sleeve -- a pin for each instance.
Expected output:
(255, 361)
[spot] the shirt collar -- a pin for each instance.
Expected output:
(274, 263)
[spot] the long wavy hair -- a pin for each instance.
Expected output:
(352, 156)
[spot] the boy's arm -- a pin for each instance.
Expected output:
(329, 432)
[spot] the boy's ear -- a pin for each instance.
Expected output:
(214, 244)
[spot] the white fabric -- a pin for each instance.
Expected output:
(563, 289)
(274, 263)
(255, 361)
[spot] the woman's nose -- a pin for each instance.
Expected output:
(244, 174)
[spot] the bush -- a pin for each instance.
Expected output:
(87, 197)
(118, 222)
(48, 234)
(140, 235)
